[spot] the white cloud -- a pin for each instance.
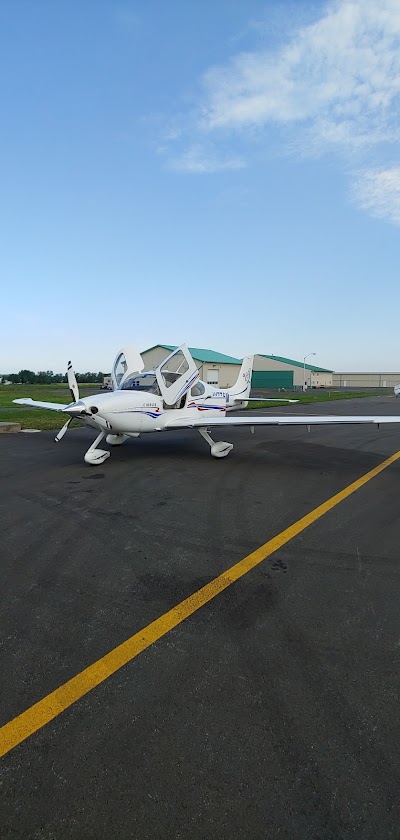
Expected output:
(196, 159)
(333, 86)
(340, 75)
(378, 191)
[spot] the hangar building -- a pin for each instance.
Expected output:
(215, 368)
(365, 380)
(279, 372)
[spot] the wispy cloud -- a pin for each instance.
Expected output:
(378, 191)
(197, 159)
(339, 76)
(333, 86)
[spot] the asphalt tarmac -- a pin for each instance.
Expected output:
(271, 712)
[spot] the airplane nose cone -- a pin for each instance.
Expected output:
(76, 409)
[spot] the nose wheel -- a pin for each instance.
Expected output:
(219, 448)
(96, 456)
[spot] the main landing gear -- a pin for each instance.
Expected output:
(220, 448)
(94, 456)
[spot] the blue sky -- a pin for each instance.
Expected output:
(221, 173)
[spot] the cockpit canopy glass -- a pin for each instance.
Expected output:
(198, 389)
(142, 382)
(175, 366)
(120, 367)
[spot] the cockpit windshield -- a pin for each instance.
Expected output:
(142, 382)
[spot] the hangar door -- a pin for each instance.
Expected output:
(272, 379)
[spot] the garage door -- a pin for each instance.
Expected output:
(272, 379)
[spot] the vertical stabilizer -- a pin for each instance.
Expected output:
(241, 389)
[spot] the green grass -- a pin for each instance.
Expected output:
(38, 418)
(325, 396)
(49, 393)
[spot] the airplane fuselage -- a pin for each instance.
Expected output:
(170, 397)
(137, 412)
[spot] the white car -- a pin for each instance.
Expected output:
(397, 390)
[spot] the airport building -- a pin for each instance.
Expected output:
(365, 380)
(271, 371)
(216, 368)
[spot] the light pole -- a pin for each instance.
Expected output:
(304, 369)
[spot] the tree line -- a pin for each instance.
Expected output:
(47, 377)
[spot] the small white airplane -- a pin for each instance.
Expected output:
(169, 398)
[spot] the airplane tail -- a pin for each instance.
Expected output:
(240, 391)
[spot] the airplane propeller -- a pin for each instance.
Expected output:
(62, 431)
(73, 387)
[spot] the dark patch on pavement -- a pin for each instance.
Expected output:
(94, 477)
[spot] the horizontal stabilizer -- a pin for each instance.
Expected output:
(38, 404)
(265, 399)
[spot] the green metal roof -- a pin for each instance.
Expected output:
(202, 355)
(293, 362)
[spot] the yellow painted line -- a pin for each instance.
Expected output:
(21, 727)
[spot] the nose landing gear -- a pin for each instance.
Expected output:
(96, 456)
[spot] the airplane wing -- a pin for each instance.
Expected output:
(282, 420)
(38, 404)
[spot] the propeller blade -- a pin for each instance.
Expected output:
(62, 431)
(73, 385)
